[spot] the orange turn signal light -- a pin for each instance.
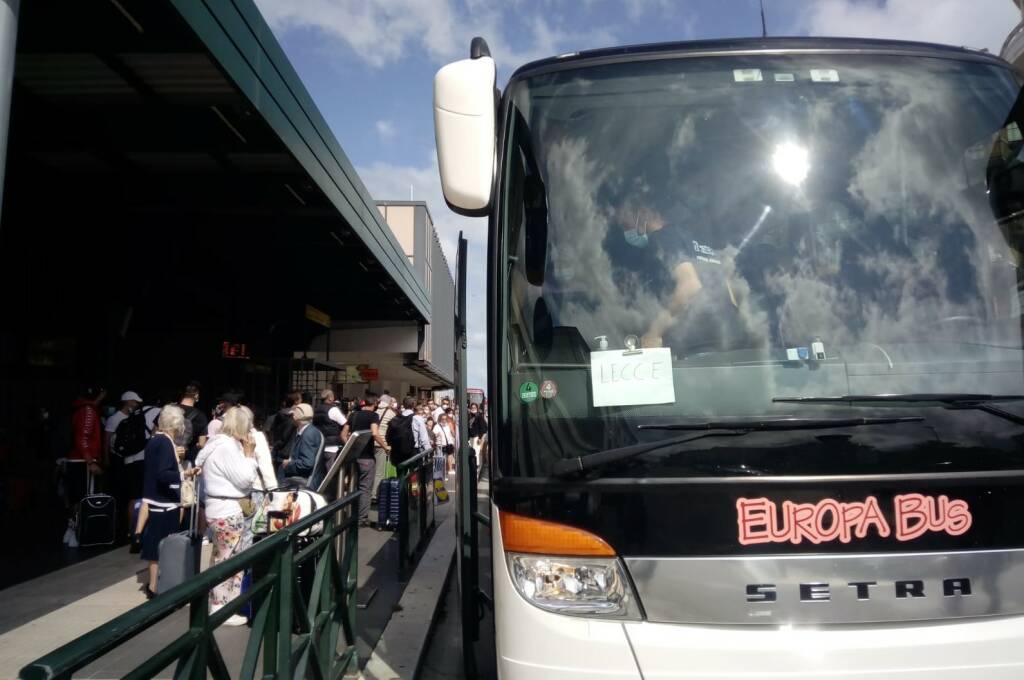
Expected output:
(528, 535)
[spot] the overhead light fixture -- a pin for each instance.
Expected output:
(791, 162)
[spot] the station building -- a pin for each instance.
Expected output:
(176, 208)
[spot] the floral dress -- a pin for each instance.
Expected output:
(230, 537)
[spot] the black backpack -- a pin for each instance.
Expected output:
(401, 439)
(190, 436)
(131, 434)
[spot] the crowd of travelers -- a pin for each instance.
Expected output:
(158, 459)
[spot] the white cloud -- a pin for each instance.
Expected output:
(385, 129)
(665, 12)
(376, 31)
(383, 31)
(978, 23)
(386, 181)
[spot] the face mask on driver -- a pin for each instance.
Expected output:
(635, 238)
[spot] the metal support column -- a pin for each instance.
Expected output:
(8, 40)
(467, 559)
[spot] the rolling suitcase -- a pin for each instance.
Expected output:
(247, 608)
(388, 499)
(179, 555)
(97, 518)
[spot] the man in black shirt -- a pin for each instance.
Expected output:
(699, 306)
(196, 422)
(366, 419)
(280, 427)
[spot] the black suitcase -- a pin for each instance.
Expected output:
(388, 503)
(179, 555)
(97, 518)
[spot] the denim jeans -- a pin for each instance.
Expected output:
(381, 459)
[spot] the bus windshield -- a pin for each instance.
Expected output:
(688, 239)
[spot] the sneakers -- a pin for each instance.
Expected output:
(70, 539)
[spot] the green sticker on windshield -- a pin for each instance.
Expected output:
(528, 392)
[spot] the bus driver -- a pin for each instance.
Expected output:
(699, 308)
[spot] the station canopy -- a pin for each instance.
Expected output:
(164, 146)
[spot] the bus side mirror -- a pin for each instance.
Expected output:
(464, 128)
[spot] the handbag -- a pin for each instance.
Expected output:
(260, 519)
(187, 489)
(248, 507)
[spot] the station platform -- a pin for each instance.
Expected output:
(41, 614)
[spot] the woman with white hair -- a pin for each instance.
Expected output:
(161, 487)
(229, 467)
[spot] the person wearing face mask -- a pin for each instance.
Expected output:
(676, 264)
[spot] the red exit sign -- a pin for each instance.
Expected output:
(234, 350)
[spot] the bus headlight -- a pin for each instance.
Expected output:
(578, 586)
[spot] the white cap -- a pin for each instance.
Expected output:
(131, 396)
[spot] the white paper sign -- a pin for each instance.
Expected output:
(621, 378)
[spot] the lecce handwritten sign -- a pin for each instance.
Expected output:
(761, 520)
(621, 378)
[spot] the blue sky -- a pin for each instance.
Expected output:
(369, 65)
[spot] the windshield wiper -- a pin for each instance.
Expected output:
(725, 428)
(781, 424)
(950, 400)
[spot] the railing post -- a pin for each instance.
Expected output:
(194, 666)
(403, 521)
(284, 606)
(272, 628)
(350, 572)
(326, 642)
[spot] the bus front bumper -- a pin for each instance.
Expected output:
(532, 643)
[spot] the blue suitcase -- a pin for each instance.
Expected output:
(246, 609)
(388, 502)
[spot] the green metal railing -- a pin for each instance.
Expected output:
(298, 638)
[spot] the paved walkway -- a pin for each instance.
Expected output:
(39, 615)
(443, 657)
(47, 612)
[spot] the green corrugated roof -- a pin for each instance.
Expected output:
(236, 36)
